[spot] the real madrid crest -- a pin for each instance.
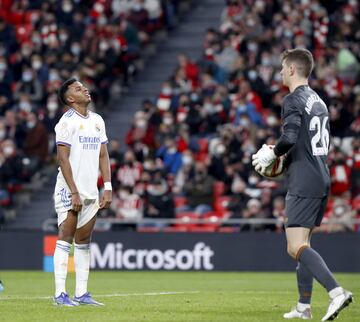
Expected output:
(97, 127)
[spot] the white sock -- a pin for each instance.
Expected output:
(82, 265)
(301, 307)
(336, 292)
(61, 257)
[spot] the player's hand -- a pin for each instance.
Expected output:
(76, 202)
(263, 158)
(106, 199)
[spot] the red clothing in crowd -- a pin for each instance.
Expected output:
(340, 179)
(128, 175)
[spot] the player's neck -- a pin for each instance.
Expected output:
(81, 109)
(296, 83)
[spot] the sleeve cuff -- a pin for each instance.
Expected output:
(62, 143)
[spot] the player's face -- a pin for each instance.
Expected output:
(284, 73)
(78, 93)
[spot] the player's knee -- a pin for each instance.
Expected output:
(291, 250)
(295, 250)
(66, 237)
(82, 239)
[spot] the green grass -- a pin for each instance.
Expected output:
(207, 297)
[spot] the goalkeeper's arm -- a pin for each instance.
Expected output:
(292, 124)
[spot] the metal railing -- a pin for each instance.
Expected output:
(50, 225)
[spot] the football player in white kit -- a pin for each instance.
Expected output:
(81, 149)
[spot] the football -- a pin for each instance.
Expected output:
(275, 169)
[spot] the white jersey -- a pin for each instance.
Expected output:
(84, 136)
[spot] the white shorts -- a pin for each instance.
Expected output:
(62, 201)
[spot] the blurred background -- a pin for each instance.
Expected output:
(189, 90)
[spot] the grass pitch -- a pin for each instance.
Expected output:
(167, 297)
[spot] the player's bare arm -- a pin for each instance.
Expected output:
(104, 164)
(63, 153)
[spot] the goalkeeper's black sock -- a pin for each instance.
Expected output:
(316, 265)
(305, 283)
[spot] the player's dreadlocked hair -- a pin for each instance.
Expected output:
(302, 58)
(63, 89)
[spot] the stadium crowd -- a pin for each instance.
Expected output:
(188, 151)
(44, 42)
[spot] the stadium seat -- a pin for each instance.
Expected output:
(185, 218)
(148, 229)
(219, 188)
(180, 201)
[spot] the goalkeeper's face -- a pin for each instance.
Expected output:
(285, 73)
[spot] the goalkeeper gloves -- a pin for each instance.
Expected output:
(263, 158)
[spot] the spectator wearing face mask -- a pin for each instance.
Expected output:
(127, 206)
(3, 132)
(6, 79)
(184, 173)
(170, 156)
(253, 210)
(140, 131)
(41, 69)
(36, 141)
(130, 172)
(199, 189)
(15, 128)
(52, 114)
(218, 162)
(340, 174)
(11, 165)
(160, 202)
(29, 85)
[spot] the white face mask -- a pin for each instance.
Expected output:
(53, 76)
(348, 18)
(266, 61)
(187, 159)
(271, 120)
(252, 74)
(244, 122)
(30, 125)
(75, 50)
(8, 150)
(27, 76)
(181, 117)
(103, 46)
(209, 107)
(220, 149)
(67, 7)
(141, 123)
(2, 134)
(252, 46)
(123, 194)
(36, 64)
(102, 21)
(63, 37)
(253, 180)
(25, 106)
(166, 90)
(52, 106)
(168, 121)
